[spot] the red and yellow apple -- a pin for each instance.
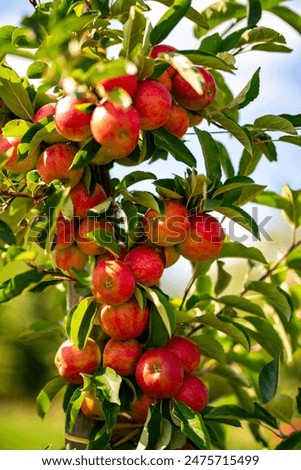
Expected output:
(188, 97)
(70, 258)
(193, 392)
(153, 102)
(146, 265)
(187, 351)
(122, 356)
(72, 120)
(83, 201)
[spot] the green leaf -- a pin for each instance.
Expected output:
(209, 346)
(6, 234)
(292, 442)
(260, 35)
(273, 296)
(241, 217)
(85, 155)
(236, 412)
(135, 177)
(291, 139)
(133, 30)
(289, 16)
(272, 122)
(37, 69)
(105, 239)
(211, 155)
(169, 20)
(175, 146)
(221, 11)
(254, 13)
(298, 400)
(194, 15)
(14, 95)
(206, 59)
(268, 380)
(16, 128)
(264, 334)
(241, 303)
(19, 284)
(80, 321)
(73, 409)
(282, 407)
(223, 278)
(192, 425)
(150, 434)
(47, 394)
(248, 94)
(108, 382)
(234, 129)
(163, 307)
(223, 324)
(143, 198)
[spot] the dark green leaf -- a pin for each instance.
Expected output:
(85, 154)
(192, 425)
(268, 380)
(264, 334)
(80, 321)
(241, 217)
(292, 442)
(209, 346)
(37, 69)
(271, 122)
(47, 394)
(106, 239)
(6, 234)
(175, 146)
(135, 177)
(20, 283)
(169, 20)
(211, 155)
(223, 278)
(248, 93)
(254, 12)
(164, 308)
(286, 14)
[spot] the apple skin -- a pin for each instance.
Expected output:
(68, 258)
(83, 201)
(139, 407)
(187, 351)
(159, 49)
(71, 122)
(122, 356)
(113, 282)
(205, 238)
(47, 109)
(170, 255)
(146, 265)
(71, 361)
(194, 118)
(170, 228)
(127, 82)
(159, 373)
(54, 163)
(125, 321)
(165, 80)
(116, 129)
(178, 121)
(193, 393)
(92, 407)
(64, 232)
(153, 102)
(89, 224)
(190, 99)
(9, 145)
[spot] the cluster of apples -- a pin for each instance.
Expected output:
(166, 372)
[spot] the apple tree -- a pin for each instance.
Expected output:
(104, 89)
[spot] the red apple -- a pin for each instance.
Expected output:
(187, 351)
(170, 228)
(92, 406)
(146, 265)
(126, 82)
(125, 321)
(87, 225)
(47, 109)
(64, 232)
(161, 48)
(139, 407)
(9, 146)
(116, 129)
(113, 282)
(54, 163)
(71, 120)
(194, 118)
(159, 373)
(153, 102)
(193, 393)
(188, 97)
(165, 80)
(83, 201)
(69, 258)
(71, 361)
(122, 356)
(178, 121)
(204, 240)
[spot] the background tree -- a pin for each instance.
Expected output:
(95, 66)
